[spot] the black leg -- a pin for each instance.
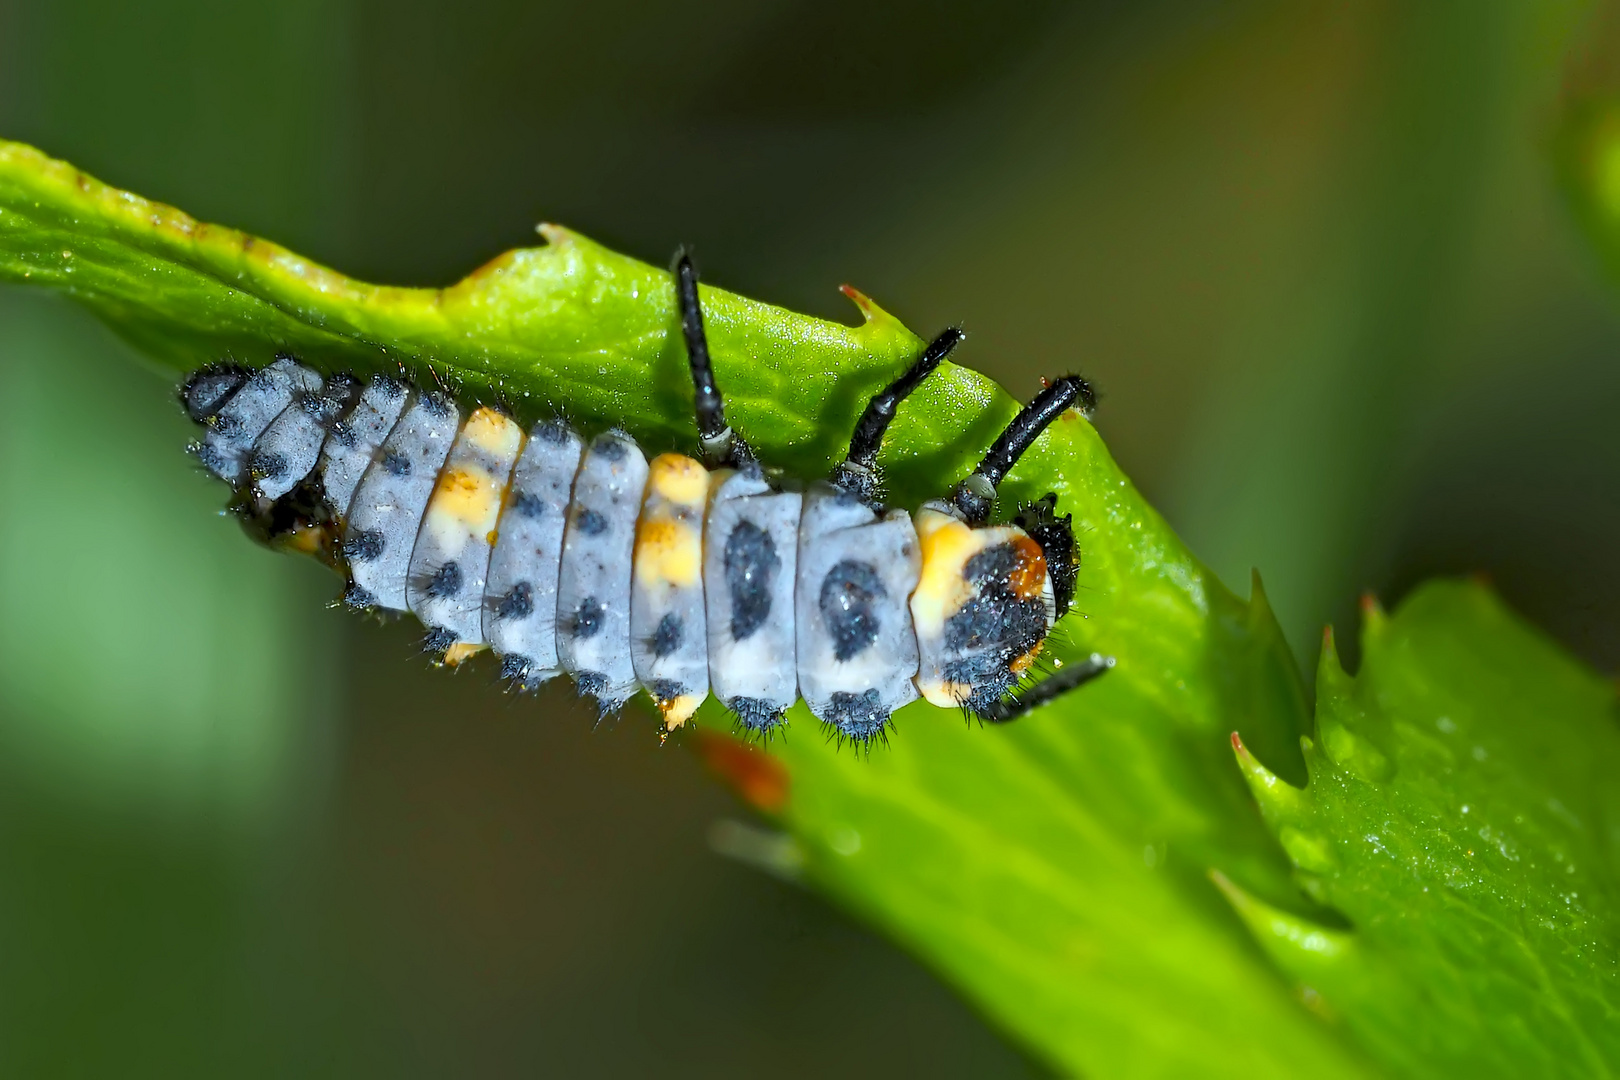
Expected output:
(1073, 675)
(856, 472)
(721, 445)
(975, 496)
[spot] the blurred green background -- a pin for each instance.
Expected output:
(1313, 254)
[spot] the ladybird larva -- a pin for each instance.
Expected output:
(677, 576)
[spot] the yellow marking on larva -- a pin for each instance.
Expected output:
(669, 536)
(668, 551)
(494, 433)
(946, 545)
(461, 652)
(679, 710)
(678, 479)
(468, 495)
(947, 695)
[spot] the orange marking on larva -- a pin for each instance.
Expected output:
(1021, 665)
(1028, 577)
(758, 778)
(492, 536)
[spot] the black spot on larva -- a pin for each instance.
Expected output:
(848, 594)
(587, 618)
(997, 618)
(438, 404)
(515, 668)
(388, 388)
(326, 407)
(396, 464)
(593, 685)
(518, 603)
(269, 464)
(343, 434)
(363, 546)
(760, 717)
(591, 523)
(207, 391)
(861, 717)
(610, 448)
(667, 638)
(438, 640)
(971, 669)
(227, 425)
(528, 505)
(992, 564)
(664, 691)
(751, 564)
(987, 677)
(995, 627)
(444, 582)
(220, 464)
(554, 432)
(356, 597)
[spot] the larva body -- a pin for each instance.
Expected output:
(564, 556)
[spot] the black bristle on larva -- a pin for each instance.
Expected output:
(757, 717)
(443, 583)
(437, 641)
(515, 671)
(359, 599)
(362, 546)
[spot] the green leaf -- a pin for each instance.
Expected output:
(1462, 813)
(1066, 872)
(1586, 150)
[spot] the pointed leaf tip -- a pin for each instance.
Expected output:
(1373, 620)
(873, 316)
(1332, 681)
(1279, 800)
(1336, 712)
(555, 235)
(869, 310)
(1301, 946)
